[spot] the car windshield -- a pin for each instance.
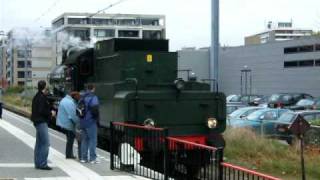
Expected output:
(238, 112)
(235, 98)
(286, 117)
(305, 102)
(286, 98)
(255, 115)
(274, 97)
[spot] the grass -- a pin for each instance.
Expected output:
(269, 156)
(12, 97)
(315, 122)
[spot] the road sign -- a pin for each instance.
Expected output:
(299, 126)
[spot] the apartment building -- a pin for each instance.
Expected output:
(28, 58)
(83, 29)
(277, 31)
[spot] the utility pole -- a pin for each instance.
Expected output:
(214, 49)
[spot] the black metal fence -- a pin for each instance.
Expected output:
(140, 150)
(232, 172)
(149, 152)
(188, 160)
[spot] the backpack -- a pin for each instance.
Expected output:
(82, 107)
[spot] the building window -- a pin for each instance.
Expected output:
(20, 83)
(127, 22)
(306, 48)
(21, 74)
(306, 63)
(21, 64)
(290, 50)
(75, 21)
(290, 64)
(152, 35)
(104, 32)
(150, 22)
(317, 62)
(29, 64)
(317, 47)
(128, 33)
(24, 53)
(302, 63)
(103, 21)
(82, 34)
(299, 49)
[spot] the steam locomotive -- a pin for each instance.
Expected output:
(136, 82)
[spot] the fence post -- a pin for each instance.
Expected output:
(165, 154)
(220, 160)
(111, 145)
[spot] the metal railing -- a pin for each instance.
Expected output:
(139, 150)
(232, 172)
(149, 152)
(188, 160)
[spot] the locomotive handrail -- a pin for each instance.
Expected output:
(231, 166)
(192, 143)
(137, 126)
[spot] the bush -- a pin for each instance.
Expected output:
(14, 90)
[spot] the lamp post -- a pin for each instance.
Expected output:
(245, 74)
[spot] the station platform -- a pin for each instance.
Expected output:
(17, 140)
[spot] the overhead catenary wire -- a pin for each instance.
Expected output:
(48, 10)
(106, 8)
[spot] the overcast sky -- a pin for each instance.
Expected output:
(188, 21)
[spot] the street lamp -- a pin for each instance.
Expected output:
(245, 74)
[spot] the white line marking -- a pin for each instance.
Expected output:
(29, 123)
(19, 165)
(72, 168)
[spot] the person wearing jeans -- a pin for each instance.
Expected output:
(41, 114)
(41, 149)
(89, 125)
(89, 143)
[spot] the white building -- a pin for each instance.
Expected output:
(76, 29)
(277, 31)
(28, 56)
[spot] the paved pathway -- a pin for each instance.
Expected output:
(17, 139)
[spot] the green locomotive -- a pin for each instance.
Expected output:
(136, 82)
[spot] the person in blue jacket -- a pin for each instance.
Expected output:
(68, 121)
(89, 125)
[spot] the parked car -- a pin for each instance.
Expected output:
(285, 120)
(250, 99)
(245, 99)
(261, 121)
(234, 106)
(260, 101)
(233, 98)
(283, 100)
(241, 113)
(305, 104)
